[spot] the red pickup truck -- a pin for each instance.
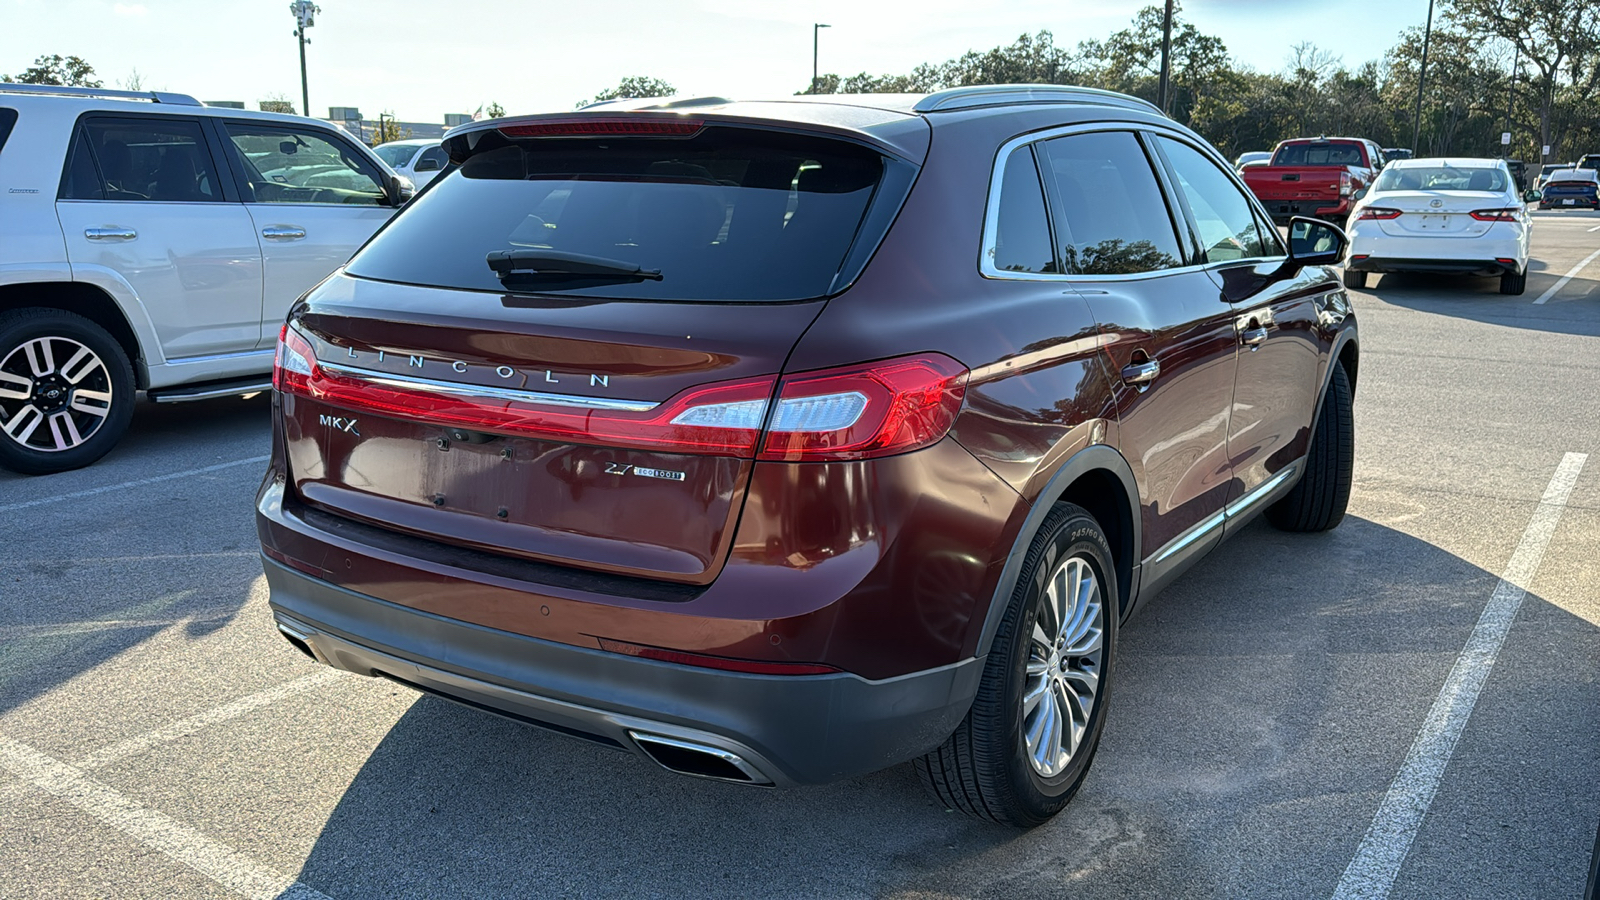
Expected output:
(1315, 177)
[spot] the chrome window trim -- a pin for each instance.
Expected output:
(991, 215)
(485, 392)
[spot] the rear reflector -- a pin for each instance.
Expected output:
(684, 658)
(595, 126)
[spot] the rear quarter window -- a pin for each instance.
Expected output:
(8, 120)
(730, 214)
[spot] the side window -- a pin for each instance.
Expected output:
(282, 165)
(1222, 212)
(81, 181)
(145, 160)
(1022, 232)
(8, 118)
(1109, 214)
(431, 160)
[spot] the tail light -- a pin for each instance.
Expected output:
(859, 412)
(1344, 184)
(1497, 215)
(1378, 212)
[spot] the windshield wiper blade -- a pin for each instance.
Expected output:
(559, 264)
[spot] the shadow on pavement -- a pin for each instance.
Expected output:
(84, 580)
(1262, 705)
(1576, 310)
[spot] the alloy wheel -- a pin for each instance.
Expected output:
(1065, 659)
(55, 393)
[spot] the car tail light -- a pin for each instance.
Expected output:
(291, 370)
(1378, 212)
(685, 658)
(595, 126)
(1497, 215)
(860, 412)
(1344, 184)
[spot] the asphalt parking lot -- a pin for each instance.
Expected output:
(1407, 706)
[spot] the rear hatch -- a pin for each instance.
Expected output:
(566, 347)
(1297, 182)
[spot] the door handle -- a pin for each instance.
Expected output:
(1141, 373)
(110, 233)
(283, 232)
(1253, 337)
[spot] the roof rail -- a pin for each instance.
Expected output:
(976, 96)
(7, 87)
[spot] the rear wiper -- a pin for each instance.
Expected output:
(559, 265)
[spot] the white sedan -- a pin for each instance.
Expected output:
(417, 159)
(1458, 216)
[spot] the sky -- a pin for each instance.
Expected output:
(421, 59)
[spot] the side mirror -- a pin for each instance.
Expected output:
(1360, 192)
(401, 190)
(427, 164)
(288, 148)
(1312, 242)
(1532, 196)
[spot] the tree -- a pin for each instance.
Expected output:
(278, 103)
(134, 81)
(70, 71)
(1561, 41)
(495, 110)
(388, 129)
(633, 87)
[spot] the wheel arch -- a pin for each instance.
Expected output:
(1098, 479)
(86, 300)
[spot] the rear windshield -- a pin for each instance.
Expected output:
(1441, 178)
(1324, 154)
(1579, 175)
(730, 214)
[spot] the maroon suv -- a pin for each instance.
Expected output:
(785, 441)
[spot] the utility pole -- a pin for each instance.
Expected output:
(1511, 96)
(1166, 58)
(1422, 80)
(816, 29)
(305, 14)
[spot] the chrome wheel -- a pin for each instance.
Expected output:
(1065, 657)
(55, 393)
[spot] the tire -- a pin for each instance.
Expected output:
(66, 391)
(987, 767)
(1355, 279)
(1514, 283)
(1318, 501)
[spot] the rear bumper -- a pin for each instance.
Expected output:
(1284, 210)
(1441, 266)
(787, 730)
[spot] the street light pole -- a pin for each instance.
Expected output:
(816, 28)
(1166, 61)
(1422, 79)
(305, 13)
(1511, 97)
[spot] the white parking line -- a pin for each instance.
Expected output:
(1594, 229)
(10, 507)
(1377, 862)
(1571, 274)
(179, 842)
(185, 727)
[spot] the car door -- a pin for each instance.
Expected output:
(1276, 325)
(428, 164)
(313, 198)
(142, 202)
(1167, 336)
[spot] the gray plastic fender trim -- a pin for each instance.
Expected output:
(1089, 459)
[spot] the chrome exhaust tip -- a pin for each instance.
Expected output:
(300, 640)
(699, 760)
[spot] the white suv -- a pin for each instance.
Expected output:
(150, 242)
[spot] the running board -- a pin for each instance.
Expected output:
(210, 391)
